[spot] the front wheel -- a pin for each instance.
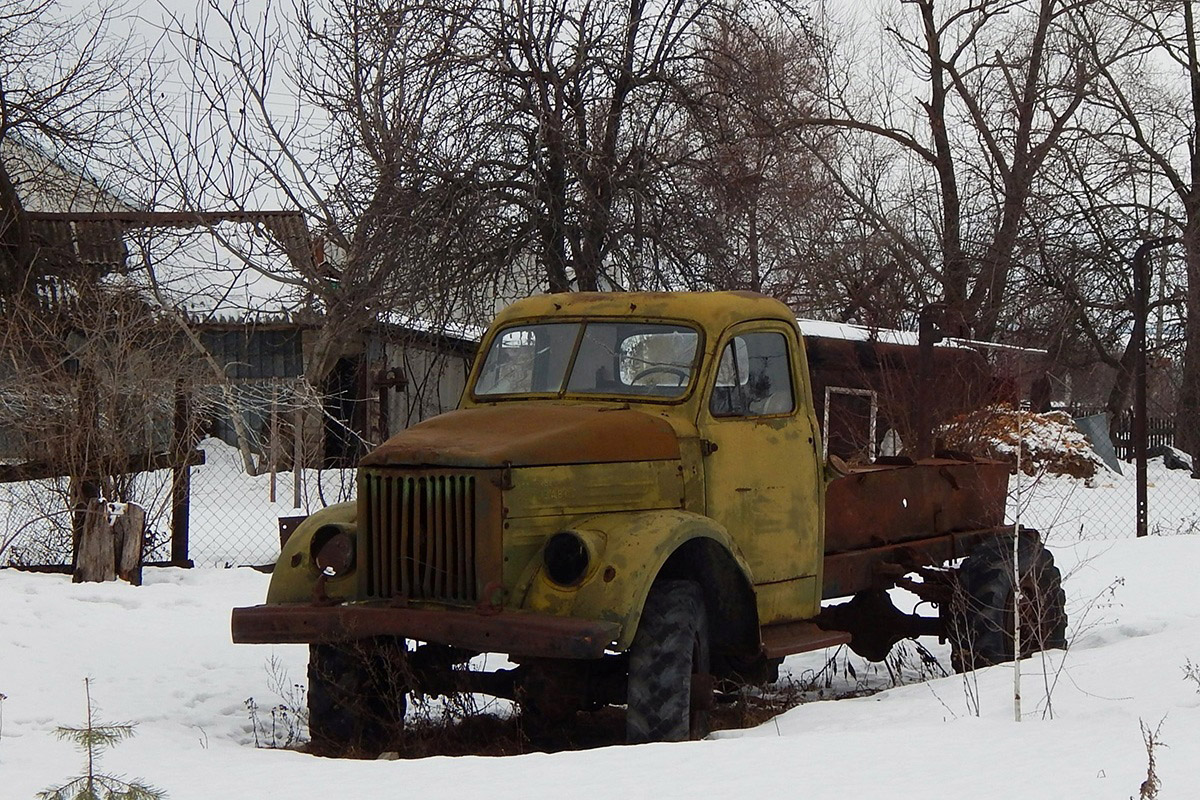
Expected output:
(669, 666)
(981, 613)
(356, 696)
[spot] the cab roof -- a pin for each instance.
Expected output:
(713, 311)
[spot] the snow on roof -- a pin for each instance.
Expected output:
(825, 329)
(50, 180)
(197, 272)
(454, 329)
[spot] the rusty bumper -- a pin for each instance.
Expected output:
(514, 632)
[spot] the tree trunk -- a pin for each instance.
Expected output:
(110, 548)
(129, 532)
(16, 241)
(1187, 411)
(955, 268)
(553, 189)
(97, 546)
(322, 351)
(1118, 395)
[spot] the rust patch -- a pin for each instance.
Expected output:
(529, 434)
(873, 568)
(515, 632)
(784, 639)
(885, 503)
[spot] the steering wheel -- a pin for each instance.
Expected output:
(681, 374)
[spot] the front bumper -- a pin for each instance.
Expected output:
(517, 633)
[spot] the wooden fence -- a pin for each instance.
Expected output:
(1160, 431)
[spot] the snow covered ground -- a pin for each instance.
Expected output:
(159, 655)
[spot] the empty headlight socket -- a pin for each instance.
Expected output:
(332, 550)
(570, 556)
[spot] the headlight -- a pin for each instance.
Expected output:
(566, 557)
(332, 550)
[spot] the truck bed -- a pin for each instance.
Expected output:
(897, 500)
(899, 510)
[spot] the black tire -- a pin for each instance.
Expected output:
(670, 647)
(356, 696)
(981, 619)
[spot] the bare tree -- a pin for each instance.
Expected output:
(441, 151)
(330, 109)
(585, 110)
(752, 208)
(1148, 58)
(87, 398)
(1003, 83)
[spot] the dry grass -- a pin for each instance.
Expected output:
(1049, 443)
(460, 726)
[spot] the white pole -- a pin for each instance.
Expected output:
(1016, 566)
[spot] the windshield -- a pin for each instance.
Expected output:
(611, 358)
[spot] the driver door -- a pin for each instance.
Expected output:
(762, 471)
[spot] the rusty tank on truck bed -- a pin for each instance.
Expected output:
(942, 503)
(633, 503)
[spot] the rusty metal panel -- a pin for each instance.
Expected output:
(859, 570)
(403, 522)
(514, 632)
(882, 504)
(470, 533)
(529, 433)
(421, 538)
(287, 526)
(376, 549)
(787, 638)
(961, 375)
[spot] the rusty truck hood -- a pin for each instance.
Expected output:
(529, 434)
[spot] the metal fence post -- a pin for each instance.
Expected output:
(181, 479)
(929, 333)
(1141, 292)
(298, 455)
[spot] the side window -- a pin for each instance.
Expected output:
(754, 377)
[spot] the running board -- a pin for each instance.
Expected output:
(787, 638)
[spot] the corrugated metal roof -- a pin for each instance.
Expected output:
(97, 239)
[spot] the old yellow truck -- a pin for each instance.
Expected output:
(632, 503)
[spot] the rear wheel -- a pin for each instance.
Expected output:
(981, 623)
(356, 695)
(670, 689)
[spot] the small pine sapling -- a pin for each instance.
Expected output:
(92, 739)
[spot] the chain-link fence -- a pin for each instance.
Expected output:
(274, 449)
(231, 475)
(230, 505)
(234, 516)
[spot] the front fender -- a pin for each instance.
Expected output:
(635, 547)
(295, 575)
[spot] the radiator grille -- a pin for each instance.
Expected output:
(420, 536)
